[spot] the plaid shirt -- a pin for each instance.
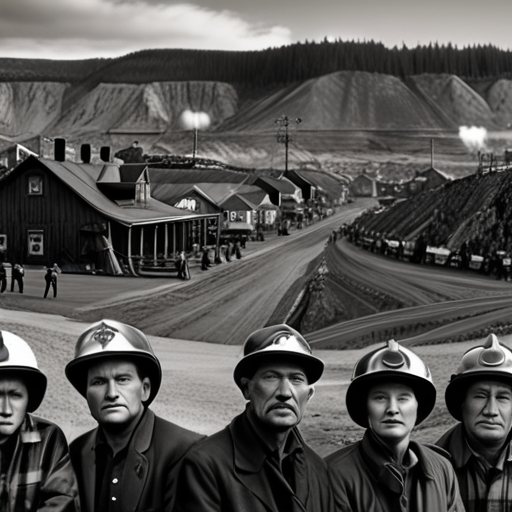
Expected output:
(484, 488)
(40, 476)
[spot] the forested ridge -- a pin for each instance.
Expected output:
(287, 64)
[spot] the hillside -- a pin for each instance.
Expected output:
(476, 210)
(242, 130)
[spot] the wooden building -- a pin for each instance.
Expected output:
(85, 214)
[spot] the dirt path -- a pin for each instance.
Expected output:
(228, 302)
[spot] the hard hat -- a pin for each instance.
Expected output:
(492, 360)
(277, 343)
(112, 339)
(391, 363)
(18, 359)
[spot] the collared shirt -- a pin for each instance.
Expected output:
(36, 470)
(109, 471)
(483, 487)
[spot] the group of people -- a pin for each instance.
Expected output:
(136, 461)
(17, 274)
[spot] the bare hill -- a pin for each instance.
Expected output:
(349, 118)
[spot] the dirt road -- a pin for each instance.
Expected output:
(467, 301)
(228, 302)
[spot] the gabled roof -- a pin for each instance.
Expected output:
(324, 181)
(238, 203)
(81, 178)
(282, 185)
(437, 171)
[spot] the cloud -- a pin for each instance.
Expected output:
(106, 28)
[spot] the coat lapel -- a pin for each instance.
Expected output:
(252, 467)
(136, 466)
(88, 465)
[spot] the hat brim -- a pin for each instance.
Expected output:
(76, 370)
(247, 366)
(455, 393)
(34, 379)
(357, 393)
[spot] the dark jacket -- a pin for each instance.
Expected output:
(149, 478)
(40, 476)
(229, 472)
(482, 486)
(365, 479)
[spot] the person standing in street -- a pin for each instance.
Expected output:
(17, 276)
(130, 461)
(3, 278)
(51, 279)
(479, 396)
(260, 462)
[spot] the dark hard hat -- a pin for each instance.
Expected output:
(277, 343)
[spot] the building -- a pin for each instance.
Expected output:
(92, 216)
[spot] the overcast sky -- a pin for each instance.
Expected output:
(77, 29)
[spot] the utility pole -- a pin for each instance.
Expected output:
(283, 134)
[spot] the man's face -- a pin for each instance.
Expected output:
(13, 406)
(278, 394)
(115, 393)
(487, 412)
(392, 411)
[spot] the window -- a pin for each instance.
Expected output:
(35, 185)
(35, 243)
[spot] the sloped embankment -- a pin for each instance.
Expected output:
(328, 295)
(476, 209)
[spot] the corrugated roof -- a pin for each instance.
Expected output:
(81, 178)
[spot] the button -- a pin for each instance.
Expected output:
(115, 481)
(114, 498)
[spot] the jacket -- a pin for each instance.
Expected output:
(149, 478)
(40, 476)
(229, 472)
(364, 478)
(482, 487)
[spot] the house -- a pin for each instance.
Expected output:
(76, 213)
(434, 177)
(364, 186)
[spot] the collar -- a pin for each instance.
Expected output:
(251, 451)
(461, 452)
(28, 431)
(385, 469)
(140, 439)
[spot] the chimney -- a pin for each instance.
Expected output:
(431, 153)
(59, 150)
(85, 153)
(105, 153)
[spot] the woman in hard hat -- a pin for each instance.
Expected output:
(391, 392)
(35, 468)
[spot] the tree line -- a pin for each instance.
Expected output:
(283, 65)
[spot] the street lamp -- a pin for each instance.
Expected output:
(283, 135)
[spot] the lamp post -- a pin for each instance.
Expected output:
(283, 134)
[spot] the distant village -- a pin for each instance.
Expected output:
(130, 213)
